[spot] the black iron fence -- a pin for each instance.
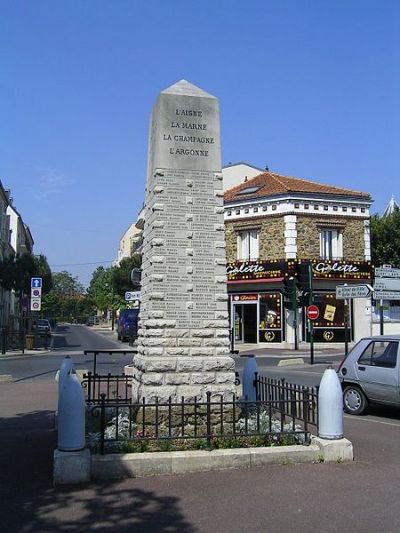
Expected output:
(113, 388)
(193, 424)
(12, 340)
(285, 397)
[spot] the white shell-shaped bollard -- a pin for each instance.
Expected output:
(66, 366)
(330, 406)
(71, 414)
(250, 367)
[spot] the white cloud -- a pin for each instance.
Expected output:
(52, 182)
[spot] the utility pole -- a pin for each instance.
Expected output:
(310, 322)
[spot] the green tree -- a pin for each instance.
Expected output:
(385, 239)
(67, 300)
(16, 272)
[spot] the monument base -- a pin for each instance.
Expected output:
(190, 377)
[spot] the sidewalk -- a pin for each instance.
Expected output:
(359, 497)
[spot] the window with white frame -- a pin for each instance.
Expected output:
(248, 245)
(331, 243)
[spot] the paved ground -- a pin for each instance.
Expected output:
(357, 497)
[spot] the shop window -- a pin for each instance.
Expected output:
(270, 326)
(248, 245)
(331, 244)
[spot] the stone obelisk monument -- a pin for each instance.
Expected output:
(183, 344)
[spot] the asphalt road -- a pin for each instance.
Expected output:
(69, 340)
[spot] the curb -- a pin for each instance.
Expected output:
(290, 362)
(132, 465)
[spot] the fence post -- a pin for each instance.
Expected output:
(306, 412)
(208, 419)
(102, 421)
(3, 340)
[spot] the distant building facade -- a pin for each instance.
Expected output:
(279, 227)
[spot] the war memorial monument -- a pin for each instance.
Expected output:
(183, 342)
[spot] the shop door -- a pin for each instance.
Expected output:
(245, 323)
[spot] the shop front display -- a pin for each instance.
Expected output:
(330, 325)
(270, 325)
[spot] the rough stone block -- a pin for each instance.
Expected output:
(217, 324)
(177, 378)
(189, 365)
(177, 351)
(222, 332)
(216, 342)
(203, 377)
(189, 342)
(221, 363)
(202, 333)
(151, 378)
(225, 377)
(334, 451)
(202, 351)
(71, 467)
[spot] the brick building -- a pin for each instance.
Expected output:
(280, 228)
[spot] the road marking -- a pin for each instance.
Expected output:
(352, 417)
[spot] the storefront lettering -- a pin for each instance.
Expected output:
(325, 268)
(244, 269)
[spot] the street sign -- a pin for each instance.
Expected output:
(343, 292)
(386, 295)
(36, 293)
(131, 296)
(312, 312)
(36, 304)
(387, 284)
(36, 283)
(387, 272)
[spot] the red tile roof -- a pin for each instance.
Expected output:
(272, 184)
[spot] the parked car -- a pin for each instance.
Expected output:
(92, 321)
(370, 374)
(42, 325)
(127, 324)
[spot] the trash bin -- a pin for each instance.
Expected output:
(29, 341)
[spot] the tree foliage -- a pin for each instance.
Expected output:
(67, 300)
(385, 239)
(16, 272)
(108, 285)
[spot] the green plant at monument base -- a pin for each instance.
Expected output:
(122, 435)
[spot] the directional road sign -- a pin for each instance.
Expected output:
(343, 292)
(387, 272)
(131, 296)
(387, 284)
(36, 304)
(386, 295)
(312, 312)
(36, 283)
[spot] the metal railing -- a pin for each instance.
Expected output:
(284, 396)
(114, 388)
(207, 423)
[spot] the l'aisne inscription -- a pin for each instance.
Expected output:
(188, 140)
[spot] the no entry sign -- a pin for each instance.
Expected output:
(312, 312)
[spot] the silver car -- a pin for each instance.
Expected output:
(370, 374)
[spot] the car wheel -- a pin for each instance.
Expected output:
(354, 400)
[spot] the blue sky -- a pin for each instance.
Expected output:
(310, 88)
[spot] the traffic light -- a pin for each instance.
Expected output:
(291, 295)
(304, 276)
